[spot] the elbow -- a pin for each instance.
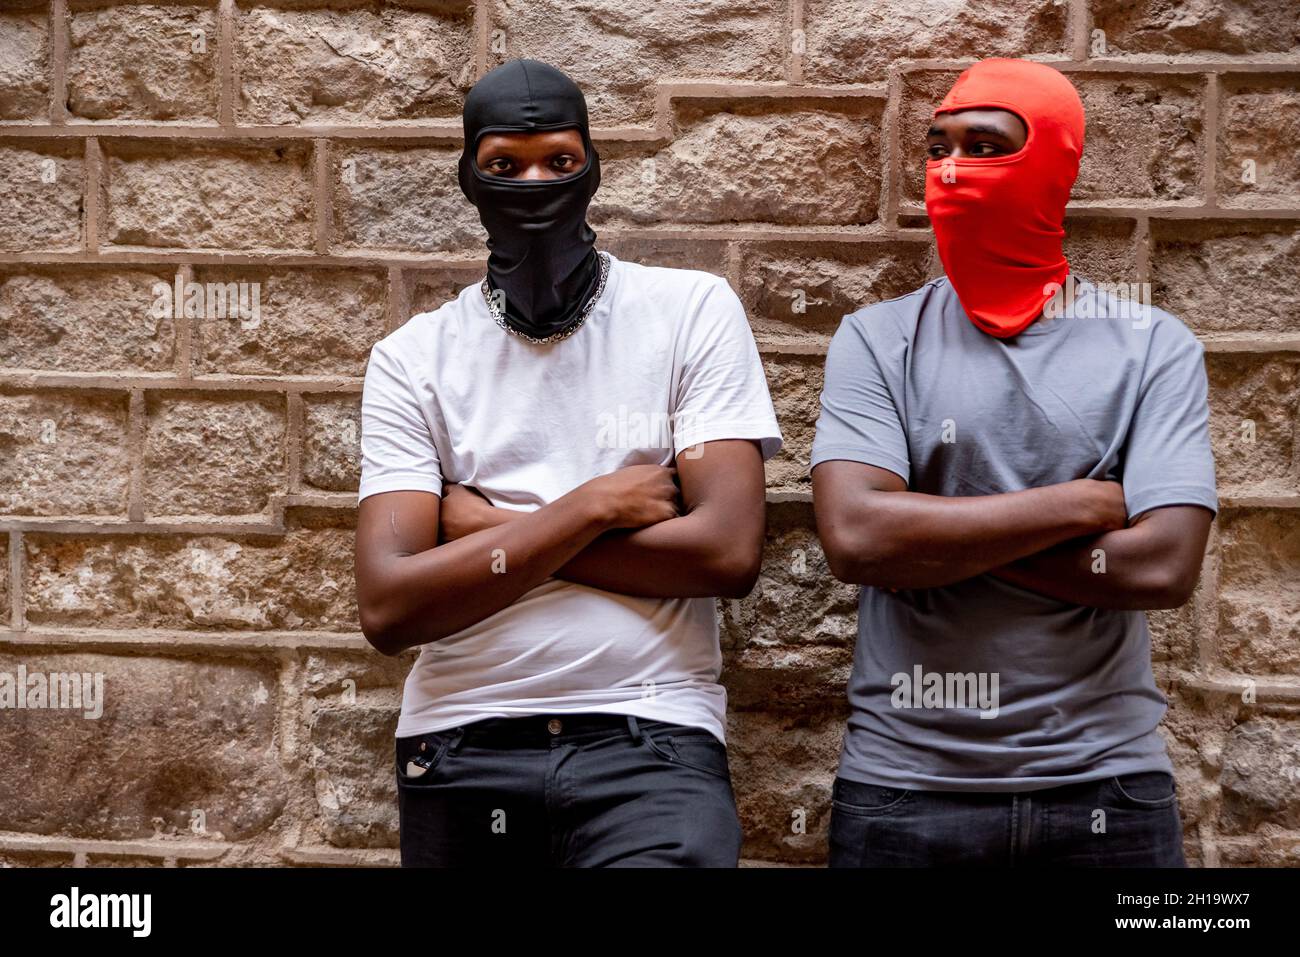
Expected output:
(381, 630)
(843, 565)
(1170, 590)
(736, 572)
(1163, 588)
(854, 563)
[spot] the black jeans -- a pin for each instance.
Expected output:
(1129, 821)
(579, 790)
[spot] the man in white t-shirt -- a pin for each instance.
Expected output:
(561, 467)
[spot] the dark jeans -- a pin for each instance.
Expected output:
(580, 790)
(1129, 821)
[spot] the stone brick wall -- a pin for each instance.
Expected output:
(178, 490)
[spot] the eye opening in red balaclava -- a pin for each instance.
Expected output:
(999, 221)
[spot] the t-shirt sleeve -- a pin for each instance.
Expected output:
(397, 449)
(859, 419)
(722, 390)
(1167, 456)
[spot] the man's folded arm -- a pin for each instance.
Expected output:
(713, 549)
(411, 591)
(875, 532)
(1152, 564)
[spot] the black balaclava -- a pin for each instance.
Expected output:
(542, 252)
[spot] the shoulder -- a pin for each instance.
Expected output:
(1127, 311)
(424, 329)
(669, 284)
(894, 322)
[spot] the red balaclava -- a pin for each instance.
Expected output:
(998, 221)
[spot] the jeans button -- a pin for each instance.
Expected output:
(554, 726)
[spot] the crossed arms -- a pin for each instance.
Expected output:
(644, 530)
(875, 532)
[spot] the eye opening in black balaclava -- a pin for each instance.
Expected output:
(542, 252)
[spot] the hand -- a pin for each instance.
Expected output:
(636, 496)
(1106, 502)
(464, 511)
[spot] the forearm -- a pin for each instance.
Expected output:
(1124, 569)
(681, 558)
(428, 595)
(900, 539)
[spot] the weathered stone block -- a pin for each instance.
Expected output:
(179, 746)
(1228, 277)
(1259, 123)
(617, 51)
(801, 292)
(1259, 592)
(1193, 29)
(212, 455)
(343, 679)
(671, 252)
(40, 204)
(1144, 138)
(795, 383)
(352, 759)
(63, 454)
(331, 454)
(1194, 730)
(198, 196)
(24, 52)
(84, 319)
(1175, 633)
(403, 198)
(427, 289)
(303, 580)
(797, 603)
(354, 65)
(1261, 775)
(783, 768)
(314, 322)
(1101, 250)
(855, 42)
(143, 62)
(748, 161)
(1254, 401)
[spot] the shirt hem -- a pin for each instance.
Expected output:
(421, 484)
(766, 432)
(1177, 495)
(845, 453)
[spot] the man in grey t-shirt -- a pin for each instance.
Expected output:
(1013, 464)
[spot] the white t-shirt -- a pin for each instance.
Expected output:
(665, 360)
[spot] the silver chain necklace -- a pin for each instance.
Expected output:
(564, 333)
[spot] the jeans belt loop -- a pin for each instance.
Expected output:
(634, 729)
(454, 745)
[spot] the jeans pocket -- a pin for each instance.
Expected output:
(419, 756)
(1143, 790)
(698, 750)
(853, 797)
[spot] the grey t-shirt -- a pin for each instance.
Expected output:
(982, 685)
